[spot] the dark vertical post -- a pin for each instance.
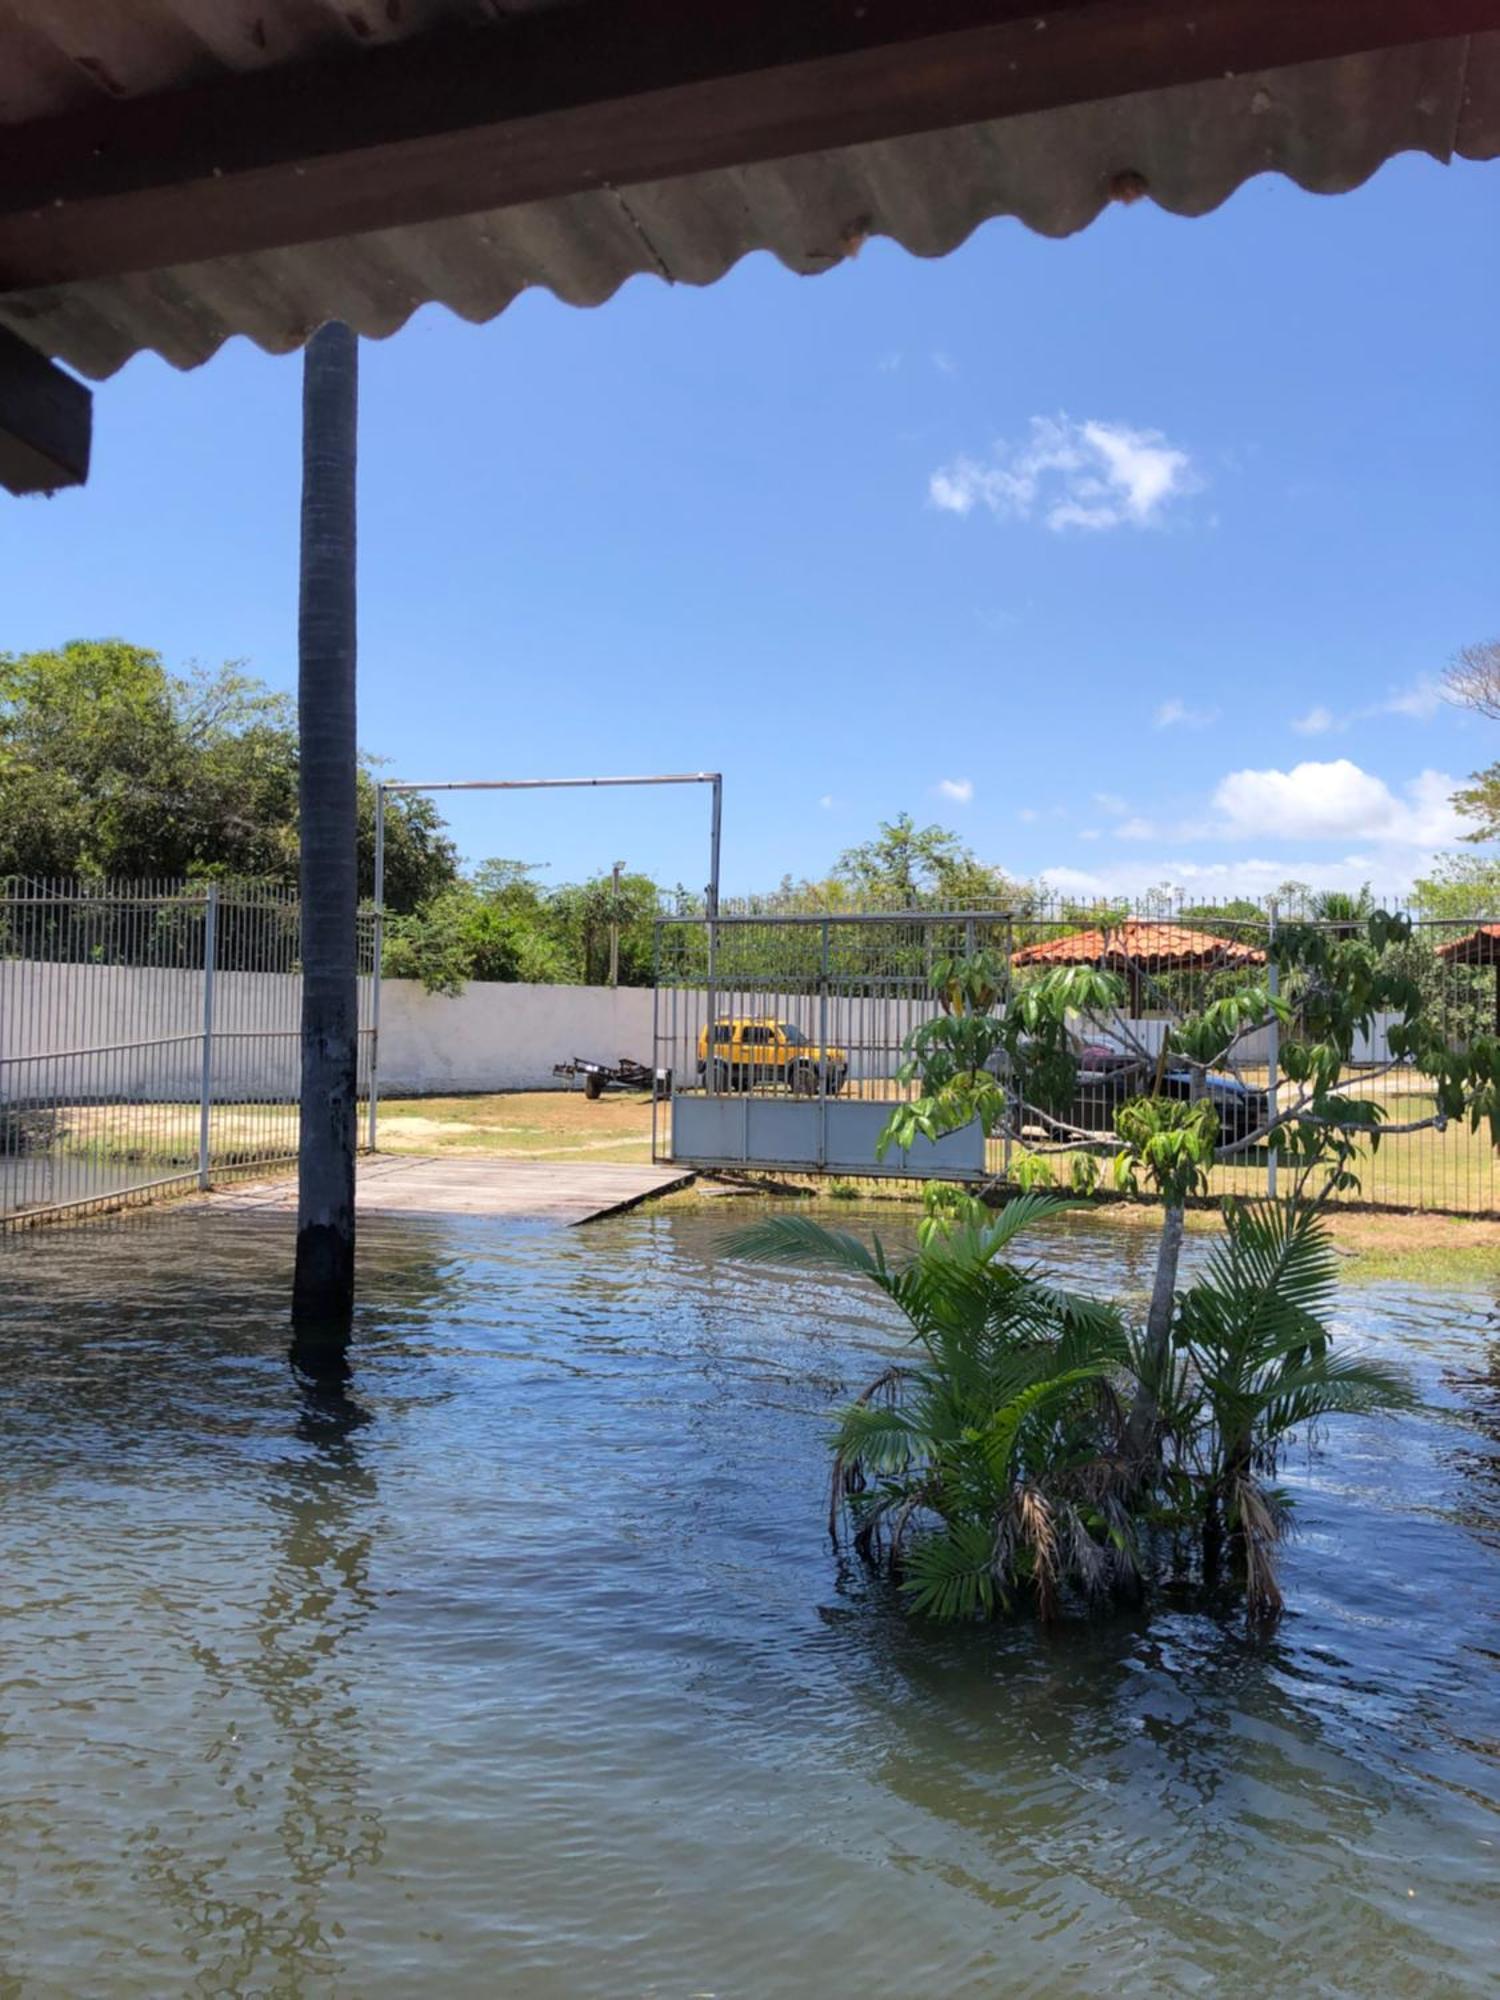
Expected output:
(323, 1288)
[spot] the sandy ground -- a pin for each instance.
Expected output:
(523, 1124)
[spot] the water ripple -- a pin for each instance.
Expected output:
(528, 1668)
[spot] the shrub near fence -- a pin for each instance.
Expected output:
(862, 984)
(149, 1038)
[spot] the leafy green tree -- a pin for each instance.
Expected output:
(1479, 802)
(500, 924)
(1461, 888)
(910, 867)
(1335, 978)
(491, 926)
(1346, 911)
(579, 917)
(110, 766)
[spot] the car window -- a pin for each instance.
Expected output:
(792, 1035)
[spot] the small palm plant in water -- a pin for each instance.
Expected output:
(986, 1470)
(1002, 1463)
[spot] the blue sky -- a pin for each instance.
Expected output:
(1131, 557)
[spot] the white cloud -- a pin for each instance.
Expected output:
(1335, 801)
(826, 802)
(1111, 803)
(1174, 713)
(1091, 475)
(943, 362)
(959, 789)
(1349, 827)
(1028, 815)
(1418, 703)
(1255, 875)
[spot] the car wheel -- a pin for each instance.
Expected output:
(803, 1080)
(723, 1076)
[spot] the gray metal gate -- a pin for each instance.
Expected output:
(784, 1035)
(149, 1038)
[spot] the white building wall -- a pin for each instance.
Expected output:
(503, 1036)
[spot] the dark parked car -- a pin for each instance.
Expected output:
(1108, 1076)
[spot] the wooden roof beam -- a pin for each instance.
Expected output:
(606, 93)
(46, 421)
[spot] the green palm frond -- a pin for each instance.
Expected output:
(1335, 1385)
(797, 1239)
(999, 1438)
(952, 1575)
(879, 1438)
(984, 1241)
(1276, 1268)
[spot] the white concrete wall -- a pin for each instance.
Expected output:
(117, 1032)
(489, 1037)
(503, 1036)
(135, 1034)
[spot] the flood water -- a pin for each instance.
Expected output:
(528, 1669)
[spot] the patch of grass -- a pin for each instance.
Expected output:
(1462, 1252)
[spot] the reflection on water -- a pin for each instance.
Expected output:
(525, 1666)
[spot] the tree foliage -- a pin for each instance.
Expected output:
(500, 923)
(910, 867)
(1336, 978)
(1473, 678)
(110, 766)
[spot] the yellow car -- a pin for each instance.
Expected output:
(751, 1052)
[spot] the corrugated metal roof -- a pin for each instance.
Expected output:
(1325, 125)
(1139, 943)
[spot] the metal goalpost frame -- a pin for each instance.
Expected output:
(386, 786)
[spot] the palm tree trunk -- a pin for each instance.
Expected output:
(1157, 1354)
(323, 1287)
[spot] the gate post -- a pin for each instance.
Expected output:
(206, 1077)
(823, 968)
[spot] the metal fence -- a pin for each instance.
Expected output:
(149, 1038)
(811, 1016)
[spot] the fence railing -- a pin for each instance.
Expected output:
(149, 1038)
(779, 1030)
